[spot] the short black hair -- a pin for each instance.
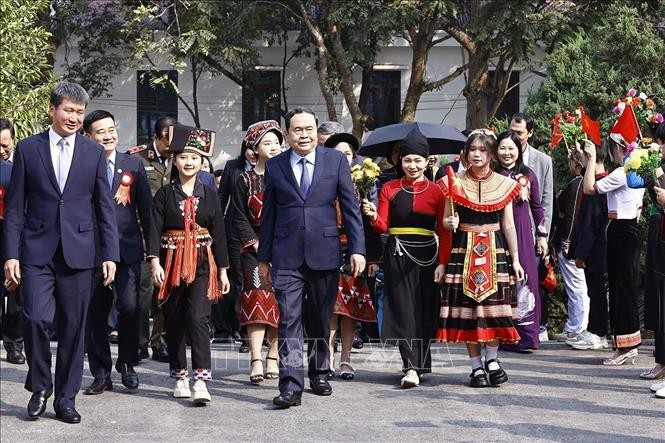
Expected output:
(603, 149)
(294, 111)
(659, 134)
(162, 124)
(5, 124)
(218, 172)
(68, 90)
(94, 116)
(520, 117)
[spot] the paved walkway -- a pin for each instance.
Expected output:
(555, 394)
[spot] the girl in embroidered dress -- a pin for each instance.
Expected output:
(188, 260)
(484, 261)
(259, 311)
(354, 300)
(410, 210)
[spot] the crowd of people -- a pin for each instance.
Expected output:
(283, 248)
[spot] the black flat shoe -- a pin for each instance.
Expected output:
(161, 355)
(478, 378)
(357, 343)
(98, 386)
(129, 377)
(244, 348)
(497, 376)
(320, 386)
(68, 415)
(287, 399)
(143, 354)
(15, 357)
(37, 403)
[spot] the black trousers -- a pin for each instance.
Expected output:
(623, 263)
(11, 318)
(146, 290)
(126, 290)
(55, 292)
(187, 315)
(306, 298)
(410, 308)
(595, 282)
(224, 312)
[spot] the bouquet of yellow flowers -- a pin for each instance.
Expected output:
(643, 160)
(364, 176)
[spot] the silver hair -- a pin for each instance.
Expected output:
(330, 127)
(70, 91)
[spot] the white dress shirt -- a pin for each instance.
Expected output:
(70, 141)
(622, 202)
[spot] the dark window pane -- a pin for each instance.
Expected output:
(153, 103)
(384, 99)
(261, 101)
(511, 102)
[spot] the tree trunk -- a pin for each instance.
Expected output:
(476, 91)
(346, 74)
(322, 58)
(415, 89)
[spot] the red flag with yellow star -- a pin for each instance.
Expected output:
(455, 188)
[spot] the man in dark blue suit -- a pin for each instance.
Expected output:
(128, 182)
(58, 201)
(300, 239)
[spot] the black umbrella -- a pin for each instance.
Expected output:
(442, 139)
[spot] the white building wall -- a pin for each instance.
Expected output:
(220, 99)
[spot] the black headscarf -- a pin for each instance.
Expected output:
(414, 143)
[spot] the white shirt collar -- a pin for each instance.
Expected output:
(55, 138)
(295, 158)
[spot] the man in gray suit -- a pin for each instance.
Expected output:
(541, 165)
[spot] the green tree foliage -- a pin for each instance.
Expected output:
(25, 73)
(596, 65)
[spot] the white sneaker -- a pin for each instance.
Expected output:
(543, 335)
(570, 341)
(660, 393)
(200, 393)
(182, 388)
(410, 380)
(657, 386)
(565, 336)
(589, 341)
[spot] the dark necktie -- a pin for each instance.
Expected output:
(305, 179)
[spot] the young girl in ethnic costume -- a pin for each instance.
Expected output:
(654, 275)
(188, 260)
(484, 261)
(410, 210)
(259, 311)
(624, 206)
(354, 301)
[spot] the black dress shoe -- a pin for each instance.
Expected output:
(478, 378)
(497, 376)
(160, 354)
(287, 399)
(143, 353)
(129, 377)
(15, 357)
(68, 415)
(98, 386)
(244, 347)
(320, 386)
(37, 403)
(357, 343)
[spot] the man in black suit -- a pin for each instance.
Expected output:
(59, 225)
(10, 312)
(128, 182)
